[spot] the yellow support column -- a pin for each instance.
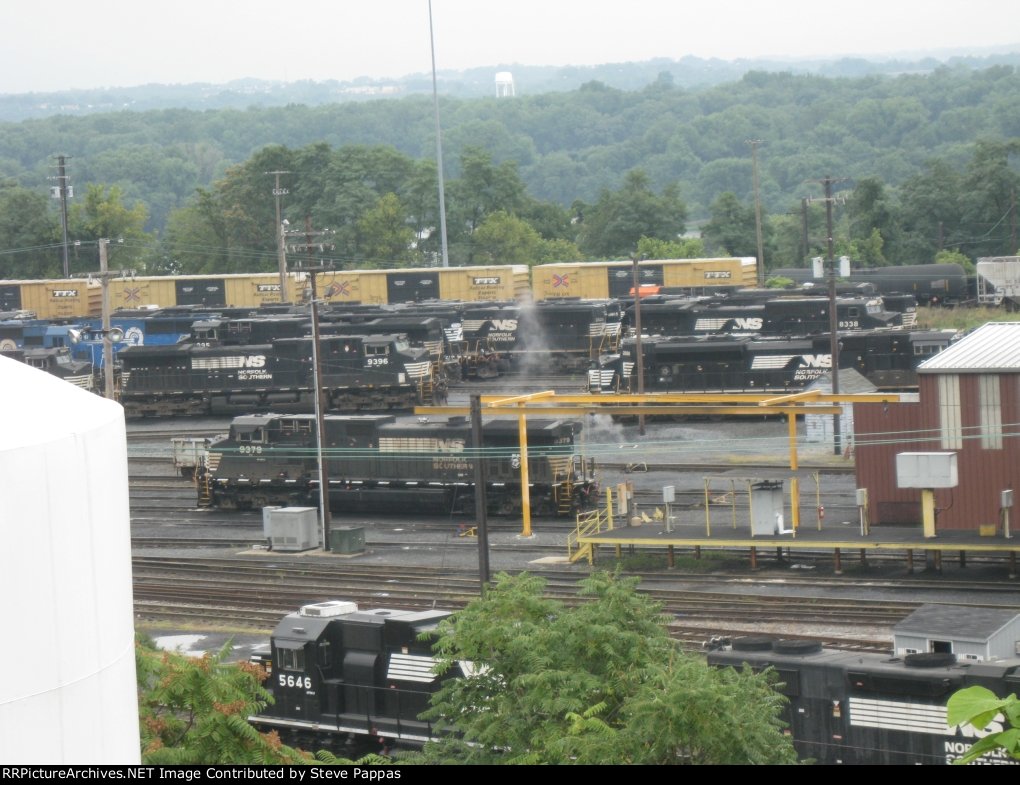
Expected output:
(791, 422)
(928, 512)
(522, 430)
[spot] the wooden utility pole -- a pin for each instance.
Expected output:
(63, 191)
(833, 321)
(110, 336)
(640, 367)
(481, 497)
(320, 415)
(281, 248)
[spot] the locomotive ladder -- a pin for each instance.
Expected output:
(563, 490)
(203, 479)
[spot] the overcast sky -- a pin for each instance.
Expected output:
(59, 44)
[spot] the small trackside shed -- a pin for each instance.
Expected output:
(969, 633)
(969, 403)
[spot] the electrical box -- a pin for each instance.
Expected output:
(926, 470)
(668, 494)
(862, 497)
(1007, 500)
(294, 528)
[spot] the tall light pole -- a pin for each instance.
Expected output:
(757, 211)
(439, 148)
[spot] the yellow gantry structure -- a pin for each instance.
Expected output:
(551, 404)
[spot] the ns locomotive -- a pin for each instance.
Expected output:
(853, 708)
(710, 364)
(358, 372)
(337, 671)
(375, 463)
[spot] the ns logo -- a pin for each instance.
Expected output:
(816, 360)
(506, 325)
(752, 323)
(253, 361)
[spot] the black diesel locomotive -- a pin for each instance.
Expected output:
(376, 463)
(359, 372)
(710, 364)
(337, 671)
(853, 708)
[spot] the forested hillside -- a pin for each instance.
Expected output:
(928, 162)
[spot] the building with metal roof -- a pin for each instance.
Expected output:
(968, 633)
(969, 404)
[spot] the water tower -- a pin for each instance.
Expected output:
(504, 85)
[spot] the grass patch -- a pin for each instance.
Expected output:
(656, 561)
(961, 318)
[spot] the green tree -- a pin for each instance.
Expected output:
(597, 683)
(613, 226)
(194, 711)
(29, 234)
(688, 248)
(384, 237)
(505, 239)
(980, 707)
(731, 229)
(103, 214)
(871, 222)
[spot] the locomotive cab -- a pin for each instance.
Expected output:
(342, 670)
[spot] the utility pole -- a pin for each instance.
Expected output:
(281, 250)
(637, 340)
(804, 230)
(310, 245)
(110, 336)
(320, 415)
(439, 148)
(63, 191)
(481, 498)
(757, 212)
(833, 321)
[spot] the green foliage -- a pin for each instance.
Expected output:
(980, 707)
(194, 711)
(599, 682)
(731, 229)
(780, 282)
(687, 248)
(103, 214)
(27, 225)
(614, 225)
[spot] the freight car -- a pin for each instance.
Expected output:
(379, 372)
(338, 671)
(887, 358)
(602, 280)
(931, 284)
(854, 708)
(379, 463)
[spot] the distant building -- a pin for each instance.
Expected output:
(968, 633)
(504, 84)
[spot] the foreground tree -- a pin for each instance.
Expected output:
(599, 683)
(981, 708)
(194, 711)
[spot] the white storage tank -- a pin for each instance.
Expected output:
(68, 694)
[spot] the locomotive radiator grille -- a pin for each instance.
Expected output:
(408, 667)
(420, 370)
(899, 715)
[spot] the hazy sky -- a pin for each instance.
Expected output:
(60, 44)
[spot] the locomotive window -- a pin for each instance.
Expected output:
(291, 659)
(254, 435)
(325, 655)
(376, 350)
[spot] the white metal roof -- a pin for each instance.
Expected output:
(993, 347)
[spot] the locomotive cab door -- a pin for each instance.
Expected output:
(296, 680)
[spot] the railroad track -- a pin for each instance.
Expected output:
(237, 591)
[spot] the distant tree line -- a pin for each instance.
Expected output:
(924, 163)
